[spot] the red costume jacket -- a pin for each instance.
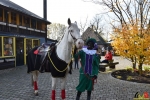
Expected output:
(108, 56)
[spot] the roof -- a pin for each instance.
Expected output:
(101, 40)
(90, 33)
(11, 5)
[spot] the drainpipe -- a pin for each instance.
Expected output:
(45, 16)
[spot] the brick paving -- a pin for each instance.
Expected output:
(15, 84)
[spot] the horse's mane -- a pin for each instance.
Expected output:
(62, 36)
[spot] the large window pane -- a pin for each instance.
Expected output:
(28, 45)
(8, 46)
(0, 46)
(39, 25)
(33, 23)
(35, 43)
(1, 14)
(20, 20)
(6, 16)
(13, 18)
(27, 21)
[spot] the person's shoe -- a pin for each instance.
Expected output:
(88, 97)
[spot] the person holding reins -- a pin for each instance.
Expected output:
(90, 60)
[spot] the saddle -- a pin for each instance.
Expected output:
(43, 50)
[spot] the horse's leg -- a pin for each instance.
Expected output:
(63, 93)
(35, 78)
(54, 80)
(32, 82)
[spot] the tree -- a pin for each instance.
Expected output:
(83, 25)
(132, 18)
(129, 44)
(96, 24)
(55, 31)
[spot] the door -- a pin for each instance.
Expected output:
(19, 51)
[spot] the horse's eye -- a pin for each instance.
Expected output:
(71, 30)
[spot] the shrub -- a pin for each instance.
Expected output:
(119, 77)
(129, 77)
(147, 68)
(129, 69)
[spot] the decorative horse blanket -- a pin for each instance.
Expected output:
(34, 62)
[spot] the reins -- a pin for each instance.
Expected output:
(72, 52)
(66, 66)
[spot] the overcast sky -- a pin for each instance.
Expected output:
(58, 11)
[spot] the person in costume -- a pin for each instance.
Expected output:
(89, 68)
(76, 62)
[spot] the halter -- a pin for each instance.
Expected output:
(75, 39)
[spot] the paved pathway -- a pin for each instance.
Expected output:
(15, 84)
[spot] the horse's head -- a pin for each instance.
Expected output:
(74, 34)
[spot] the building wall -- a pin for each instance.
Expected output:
(19, 33)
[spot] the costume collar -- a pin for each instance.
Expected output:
(91, 52)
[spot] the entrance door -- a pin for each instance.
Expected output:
(19, 51)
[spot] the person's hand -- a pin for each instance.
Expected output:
(95, 77)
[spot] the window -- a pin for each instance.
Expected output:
(33, 23)
(28, 45)
(27, 21)
(35, 43)
(1, 14)
(0, 46)
(13, 18)
(43, 26)
(6, 16)
(39, 25)
(8, 46)
(20, 20)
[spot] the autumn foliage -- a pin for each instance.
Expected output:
(133, 43)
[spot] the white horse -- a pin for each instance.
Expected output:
(58, 59)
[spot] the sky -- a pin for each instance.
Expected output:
(58, 11)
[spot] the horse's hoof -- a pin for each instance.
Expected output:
(36, 94)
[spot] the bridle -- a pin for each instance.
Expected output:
(73, 37)
(73, 46)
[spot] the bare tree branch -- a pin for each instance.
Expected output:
(82, 25)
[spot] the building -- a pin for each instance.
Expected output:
(20, 30)
(89, 33)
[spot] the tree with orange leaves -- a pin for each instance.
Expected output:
(131, 40)
(130, 43)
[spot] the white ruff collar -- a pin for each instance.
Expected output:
(91, 52)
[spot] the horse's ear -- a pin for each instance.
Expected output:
(69, 21)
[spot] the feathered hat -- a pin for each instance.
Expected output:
(93, 41)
